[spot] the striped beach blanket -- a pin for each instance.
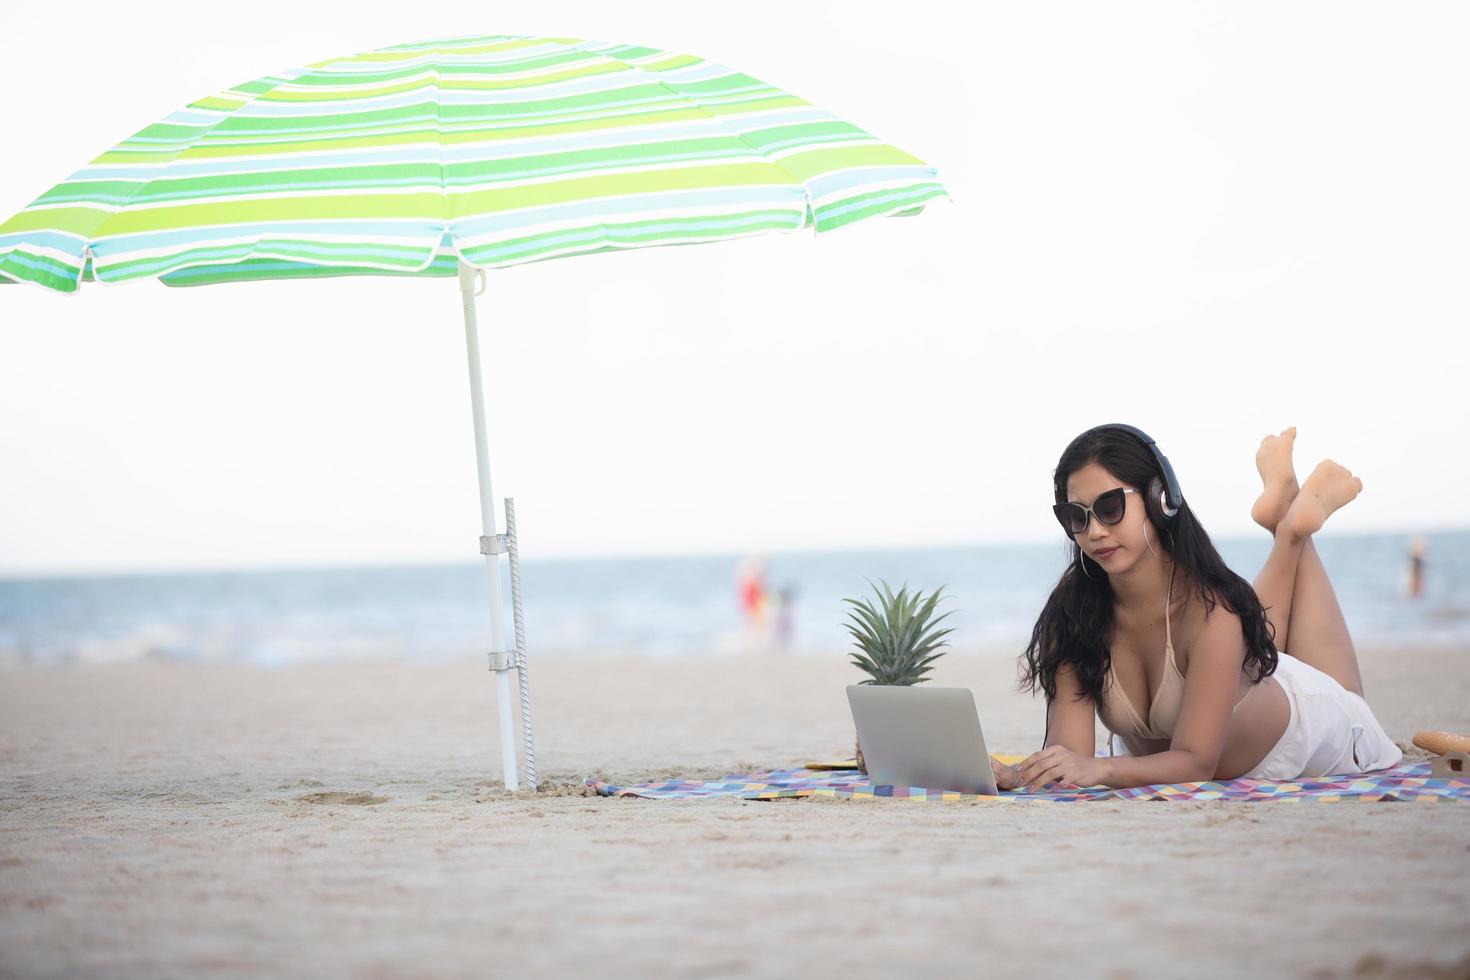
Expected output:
(1401, 784)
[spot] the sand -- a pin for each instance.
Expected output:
(183, 820)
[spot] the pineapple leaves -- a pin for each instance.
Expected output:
(898, 639)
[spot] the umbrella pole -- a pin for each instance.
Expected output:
(502, 658)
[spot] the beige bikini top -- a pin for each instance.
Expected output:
(1117, 711)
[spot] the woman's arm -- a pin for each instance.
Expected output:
(1070, 724)
(1204, 718)
(1071, 717)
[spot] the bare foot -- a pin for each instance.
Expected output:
(1273, 460)
(1328, 488)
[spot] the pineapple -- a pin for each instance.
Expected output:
(898, 640)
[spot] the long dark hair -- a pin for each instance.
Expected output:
(1077, 620)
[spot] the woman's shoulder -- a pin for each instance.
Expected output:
(1201, 601)
(1203, 617)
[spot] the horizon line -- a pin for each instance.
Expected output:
(269, 566)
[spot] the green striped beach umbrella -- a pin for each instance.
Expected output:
(446, 158)
(494, 150)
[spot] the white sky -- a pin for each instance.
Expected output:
(1211, 221)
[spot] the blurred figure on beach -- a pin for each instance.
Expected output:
(1415, 584)
(750, 589)
(783, 618)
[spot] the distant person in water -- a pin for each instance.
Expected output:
(750, 590)
(1415, 585)
(1220, 702)
(783, 621)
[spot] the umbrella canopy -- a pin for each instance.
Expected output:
(493, 151)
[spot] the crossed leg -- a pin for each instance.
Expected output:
(1292, 585)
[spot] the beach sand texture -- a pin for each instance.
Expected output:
(346, 820)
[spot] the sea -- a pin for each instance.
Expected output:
(675, 606)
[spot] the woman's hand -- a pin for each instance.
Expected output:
(1059, 764)
(1006, 777)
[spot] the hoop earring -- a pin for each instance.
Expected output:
(1082, 563)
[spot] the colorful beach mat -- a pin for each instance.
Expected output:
(1402, 784)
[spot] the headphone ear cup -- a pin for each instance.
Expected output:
(1161, 495)
(1154, 504)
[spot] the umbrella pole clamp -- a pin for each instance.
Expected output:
(494, 545)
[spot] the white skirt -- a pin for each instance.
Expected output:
(1332, 731)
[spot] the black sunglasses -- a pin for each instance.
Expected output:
(1108, 508)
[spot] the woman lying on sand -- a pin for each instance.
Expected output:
(1219, 702)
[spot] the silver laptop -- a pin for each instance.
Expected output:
(922, 736)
